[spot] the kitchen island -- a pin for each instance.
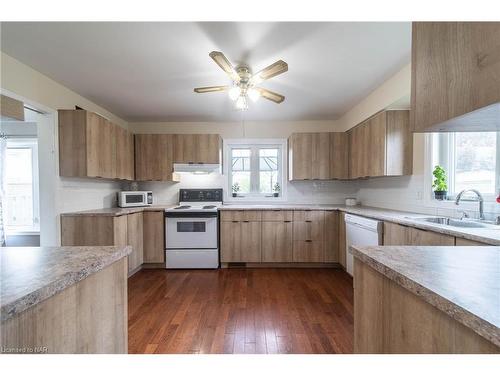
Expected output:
(64, 299)
(426, 299)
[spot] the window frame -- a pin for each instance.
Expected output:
(441, 146)
(255, 145)
(28, 143)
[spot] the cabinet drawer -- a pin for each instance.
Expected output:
(308, 231)
(277, 215)
(308, 215)
(241, 215)
(308, 251)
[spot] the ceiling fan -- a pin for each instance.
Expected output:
(244, 82)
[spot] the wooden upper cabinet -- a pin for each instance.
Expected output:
(89, 146)
(11, 109)
(339, 155)
(318, 156)
(197, 148)
(455, 78)
(124, 154)
(300, 146)
(154, 157)
(381, 146)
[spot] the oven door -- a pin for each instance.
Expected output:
(187, 231)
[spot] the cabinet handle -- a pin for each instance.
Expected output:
(246, 221)
(308, 221)
(287, 221)
(277, 210)
(235, 221)
(308, 240)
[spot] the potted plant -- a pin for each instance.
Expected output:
(236, 188)
(439, 183)
(276, 190)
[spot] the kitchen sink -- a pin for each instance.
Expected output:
(456, 223)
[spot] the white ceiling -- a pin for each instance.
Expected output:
(147, 71)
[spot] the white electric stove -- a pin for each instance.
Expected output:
(192, 229)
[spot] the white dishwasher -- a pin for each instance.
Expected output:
(361, 231)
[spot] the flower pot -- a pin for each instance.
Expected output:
(235, 195)
(276, 194)
(440, 195)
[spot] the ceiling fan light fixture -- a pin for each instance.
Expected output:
(234, 92)
(241, 103)
(253, 94)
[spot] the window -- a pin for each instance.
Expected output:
(470, 160)
(255, 167)
(21, 186)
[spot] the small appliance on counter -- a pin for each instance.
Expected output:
(135, 198)
(192, 230)
(351, 201)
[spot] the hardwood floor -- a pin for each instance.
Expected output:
(241, 311)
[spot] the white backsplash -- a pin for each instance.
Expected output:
(304, 192)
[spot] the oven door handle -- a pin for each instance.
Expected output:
(191, 214)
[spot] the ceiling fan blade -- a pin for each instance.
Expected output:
(269, 72)
(270, 95)
(225, 65)
(201, 90)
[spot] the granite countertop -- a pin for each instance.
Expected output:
(118, 211)
(30, 275)
(461, 281)
(487, 236)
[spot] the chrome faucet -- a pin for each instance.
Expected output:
(479, 199)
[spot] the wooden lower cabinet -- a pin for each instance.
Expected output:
(154, 236)
(308, 251)
(89, 230)
(342, 240)
(331, 237)
(277, 241)
(401, 235)
(308, 236)
(230, 241)
(240, 241)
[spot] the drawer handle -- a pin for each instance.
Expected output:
(277, 210)
(235, 221)
(287, 221)
(308, 221)
(246, 221)
(309, 241)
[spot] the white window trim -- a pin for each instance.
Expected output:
(261, 142)
(429, 201)
(33, 144)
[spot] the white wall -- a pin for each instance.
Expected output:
(57, 194)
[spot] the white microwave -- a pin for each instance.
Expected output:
(135, 198)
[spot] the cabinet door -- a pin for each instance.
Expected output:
(124, 154)
(185, 148)
(251, 238)
(277, 241)
(153, 157)
(419, 237)
(100, 147)
(331, 236)
(72, 143)
(230, 241)
(308, 251)
(399, 144)
(300, 156)
(353, 154)
(135, 240)
(342, 239)
(154, 236)
(208, 148)
(464, 242)
(339, 155)
(375, 157)
(395, 235)
(454, 71)
(320, 166)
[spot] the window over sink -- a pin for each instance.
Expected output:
(255, 169)
(471, 161)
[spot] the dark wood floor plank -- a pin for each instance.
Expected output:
(241, 311)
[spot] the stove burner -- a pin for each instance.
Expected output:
(208, 207)
(182, 207)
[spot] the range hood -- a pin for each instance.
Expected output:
(196, 168)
